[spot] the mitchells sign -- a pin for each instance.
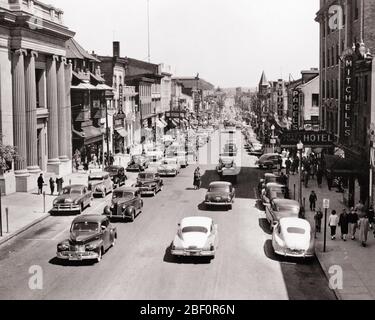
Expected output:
(310, 139)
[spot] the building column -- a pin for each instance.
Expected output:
(19, 111)
(61, 106)
(53, 122)
(68, 116)
(31, 117)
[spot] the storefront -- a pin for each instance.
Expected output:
(120, 134)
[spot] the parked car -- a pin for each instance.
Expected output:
(138, 163)
(281, 208)
(154, 154)
(220, 194)
(274, 191)
(74, 198)
(196, 236)
(117, 174)
(269, 160)
(126, 204)
(100, 183)
(182, 158)
(149, 183)
(90, 237)
(293, 237)
(169, 167)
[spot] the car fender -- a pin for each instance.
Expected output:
(107, 210)
(129, 210)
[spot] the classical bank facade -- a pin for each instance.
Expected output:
(35, 78)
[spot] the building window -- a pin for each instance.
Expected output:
(315, 100)
(356, 9)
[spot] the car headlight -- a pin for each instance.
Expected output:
(75, 202)
(123, 207)
(63, 246)
(91, 247)
(55, 202)
(112, 206)
(229, 198)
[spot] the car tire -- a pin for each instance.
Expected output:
(99, 258)
(154, 193)
(132, 218)
(161, 188)
(114, 241)
(81, 209)
(104, 194)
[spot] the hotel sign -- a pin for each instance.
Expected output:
(348, 96)
(295, 110)
(280, 99)
(121, 96)
(310, 139)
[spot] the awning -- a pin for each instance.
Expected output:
(103, 87)
(84, 86)
(89, 134)
(122, 132)
(163, 122)
(175, 123)
(338, 166)
(160, 124)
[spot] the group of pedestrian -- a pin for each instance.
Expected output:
(52, 183)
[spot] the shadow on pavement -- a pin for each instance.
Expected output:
(203, 207)
(66, 263)
(169, 258)
(265, 226)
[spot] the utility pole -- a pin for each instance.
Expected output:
(107, 131)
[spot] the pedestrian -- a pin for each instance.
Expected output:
(359, 207)
(329, 181)
(295, 165)
(111, 159)
(59, 183)
(319, 177)
(333, 221)
(353, 222)
(313, 199)
(371, 217)
(280, 163)
(344, 224)
(40, 184)
(288, 165)
(52, 185)
(306, 176)
(363, 225)
(318, 220)
(283, 179)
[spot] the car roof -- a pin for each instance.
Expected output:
(90, 218)
(98, 174)
(294, 222)
(114, 167)
(220, 183)
(75, 186)
(270, 154)
(286, 202)
(196, 221)
(270, 175)
(127, 189)
(274, 185)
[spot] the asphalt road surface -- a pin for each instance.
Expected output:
(140, 266)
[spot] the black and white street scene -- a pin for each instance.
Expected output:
(187, 150)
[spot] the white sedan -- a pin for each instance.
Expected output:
(169, 167)
(293, 237)
(196, 236)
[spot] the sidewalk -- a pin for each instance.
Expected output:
(357, 263)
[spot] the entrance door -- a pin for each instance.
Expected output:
(39, 149)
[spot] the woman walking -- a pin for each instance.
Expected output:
(344, 224)
(333, 221)
(353, 222)
(52, 185)
(364, 226)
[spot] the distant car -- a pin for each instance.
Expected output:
(117, 174)
(182, 158)
(138, 163)
(256, 149)
(282, 208)
(154, 154)
(197, 237)
(74, 198)
(149, 183)
(220, 194)
(227, 167)
(90, 237)
(293, 237)
(126, 204)
(269, 160)
(274, 191)
(100, 183)
(169, 167)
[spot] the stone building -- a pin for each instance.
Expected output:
(34, 92)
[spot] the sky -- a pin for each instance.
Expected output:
(228, 42)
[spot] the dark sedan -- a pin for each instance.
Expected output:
(149, 183)
(117, 174)
(90, 237)
(74, 198)
(220, 194)
(138, 163)
(281, 208)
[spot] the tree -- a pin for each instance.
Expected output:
(7, 155)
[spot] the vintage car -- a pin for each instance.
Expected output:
(182, 158)
(138, 163)
(269, 160)
(74, 198)
(197, 237)
(117, 174)
(169, 167)
(90, 237)
(256, 149)
(220, 194)
(154, 154)
(126, 204)
(231, 148)
(293, 237)
(100, 183)
(227, 167)
(149, 183)
(281, 208)
(273, 191)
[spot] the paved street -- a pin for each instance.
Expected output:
(140, 265)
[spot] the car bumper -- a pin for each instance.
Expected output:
(298, 254)
(219, 204)
(147, 191)
(66, 209)
(77, 256)
(167, 174)
(97, 192)
(191, 253)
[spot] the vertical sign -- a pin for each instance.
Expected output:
(280, 99)
(295, 110)
(120, 97)
(348, 96)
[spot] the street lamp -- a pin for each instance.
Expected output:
(273, 140)
(264, 131)
(300, 149)
(103, 130)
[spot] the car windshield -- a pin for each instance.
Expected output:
(172, 161)
(96, 178)
(113, 170)
(270, 179)
(121, 194)
(286, 210)
(194, 229)
(219, 189)
(146, 176)
(85, 226)
(71, 191)
(295, 230)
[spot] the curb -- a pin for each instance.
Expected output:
(23, 229)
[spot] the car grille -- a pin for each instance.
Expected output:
(298, 252)
(77, 248)
(64, 206)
